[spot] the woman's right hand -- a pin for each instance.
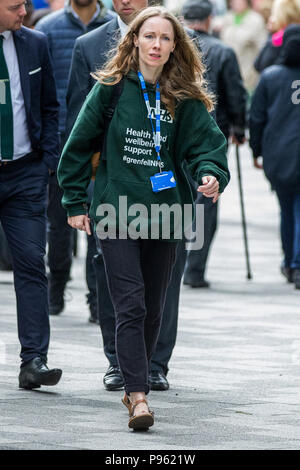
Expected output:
(210, 187)
(80, 222)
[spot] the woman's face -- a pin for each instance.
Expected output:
(155, 42)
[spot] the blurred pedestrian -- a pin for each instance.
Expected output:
(62, 28)
(224, 79)
(156, 56)
(29, 13)
(37, 15)
(244, 30)
(29, 150)
(274, 135)
(52, 4)
(44, 10)
(175, 6)
(283, 13)
(56, 4)
(264, 7)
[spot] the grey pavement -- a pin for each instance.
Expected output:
(234, 374)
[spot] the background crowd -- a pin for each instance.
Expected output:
(251, 52)
(253, 29)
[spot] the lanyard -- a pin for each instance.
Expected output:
(156, 133)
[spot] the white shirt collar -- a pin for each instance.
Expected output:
(123, 27)
(6, 34)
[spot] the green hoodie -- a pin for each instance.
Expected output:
(193, 136)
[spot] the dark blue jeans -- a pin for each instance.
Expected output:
(23, 195)
(138, 274)
(290, 228)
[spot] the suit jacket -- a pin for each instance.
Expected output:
(90, 52)
(39, 92)
(225, 81)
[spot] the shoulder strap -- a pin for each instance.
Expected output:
(115, 96)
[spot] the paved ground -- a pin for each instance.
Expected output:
(235, 370)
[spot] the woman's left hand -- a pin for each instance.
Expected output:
(210, 187)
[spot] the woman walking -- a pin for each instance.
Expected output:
(160, 120)
(274, 135)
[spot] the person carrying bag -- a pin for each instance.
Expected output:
(161, 120)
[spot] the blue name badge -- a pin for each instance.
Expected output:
(161, 181)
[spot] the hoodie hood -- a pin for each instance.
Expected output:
(289, 54)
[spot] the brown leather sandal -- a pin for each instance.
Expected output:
(126, 401)
(141, 422)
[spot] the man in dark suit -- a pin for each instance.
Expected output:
(225, 81)
(29, 150)
(91, 52)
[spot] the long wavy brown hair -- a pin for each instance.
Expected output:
(182, 75)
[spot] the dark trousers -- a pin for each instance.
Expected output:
(290, 228)
(105, 307)
(60, 236)
(138, 273)
(168, 331)
(5, 256)
(60, 246)
(23, 195)
(90, 273)
(197, 259)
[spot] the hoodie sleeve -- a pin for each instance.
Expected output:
(75, 169)
(201, 143)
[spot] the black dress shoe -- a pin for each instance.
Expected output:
(297, 278)
(288, 273)
(113, 379)
(158, 380)
(199, 283)
(56, 309)
(93, 318)
(36, 373)
(56, 295)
